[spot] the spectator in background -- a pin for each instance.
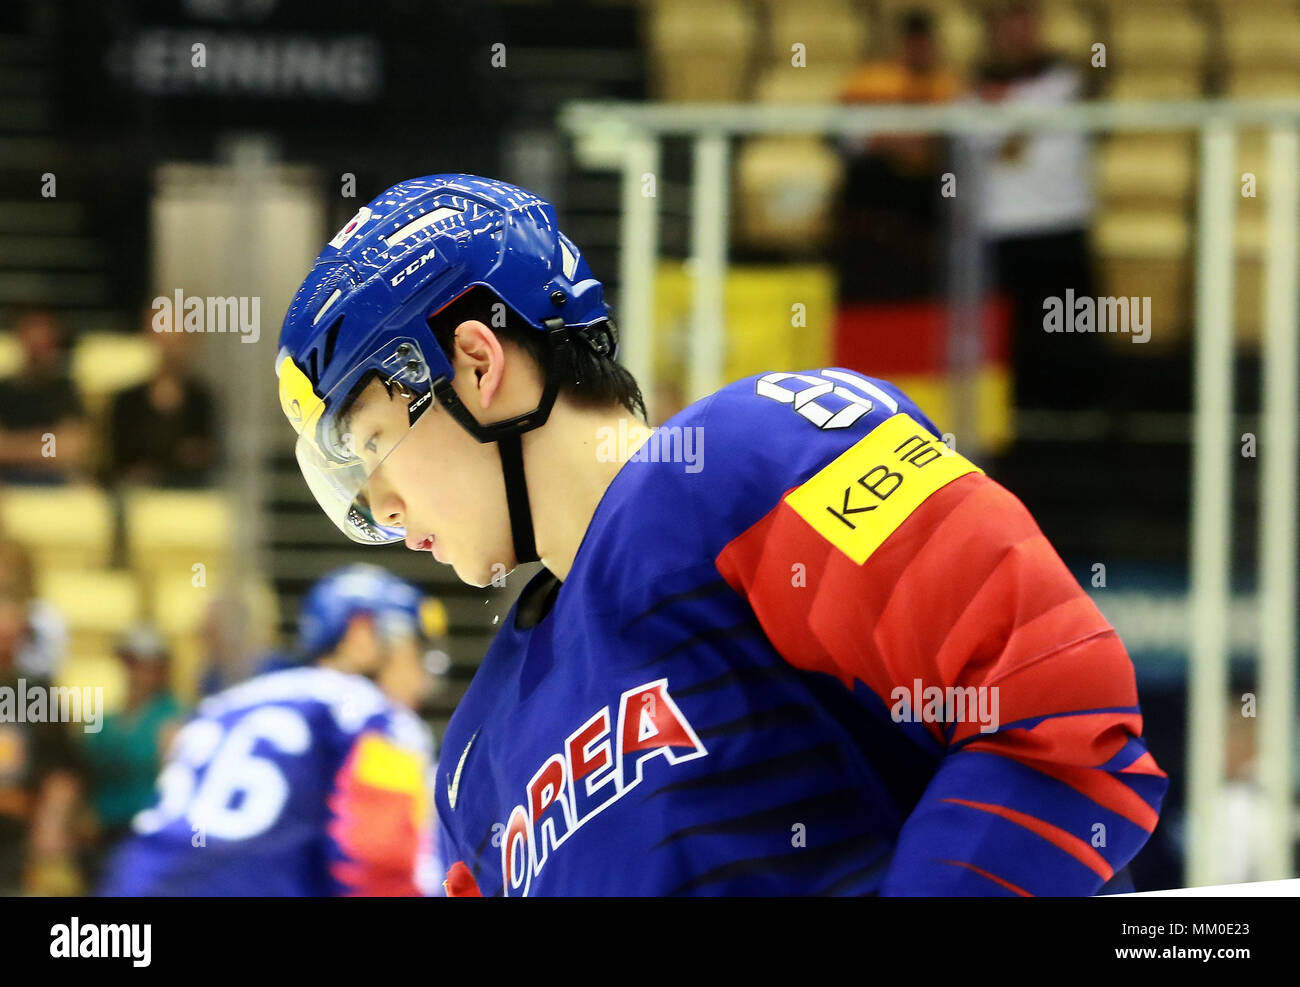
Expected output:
(43, 432)
(235, 642)
(44, 637)
(890, 235)
(39, 781)
(1242, 826)
(123, 759)
(163, 432)
(1035, 207)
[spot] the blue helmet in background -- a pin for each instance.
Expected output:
(363, 314)
(354, 590)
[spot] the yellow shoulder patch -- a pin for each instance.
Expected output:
(382, 764)
(860, 499)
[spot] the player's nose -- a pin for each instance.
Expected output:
(386, 506)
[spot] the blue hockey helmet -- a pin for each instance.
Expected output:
(355, 590)
(363, 314)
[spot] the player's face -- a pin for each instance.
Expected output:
(437, 482)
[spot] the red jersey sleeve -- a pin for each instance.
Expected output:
(901, 567)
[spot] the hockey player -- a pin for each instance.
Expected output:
(311, 780)
(789, 643)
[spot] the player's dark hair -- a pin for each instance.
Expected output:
(589, 379)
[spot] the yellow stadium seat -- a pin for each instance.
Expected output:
(1267, 82)
(1143, 233)
(105, 600)
(1261, 34)
(104, 362)
(180, 608)
(1142, 168)
(961, 36)
(787, 186)
(1068, 30)
(177, 529)
(700, 49)
(11, 355)
(178, 605)
(98, 606)
(1153, 35)
(1147, 253)
(63, 526)
(1133, 84)
(786, 84)
(832, 32)
(96, 670)
(1167, 281)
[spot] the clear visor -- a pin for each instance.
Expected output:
(348, 436)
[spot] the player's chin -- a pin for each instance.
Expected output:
(484, 572)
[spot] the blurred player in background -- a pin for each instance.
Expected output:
(829, 657)
(312, 780)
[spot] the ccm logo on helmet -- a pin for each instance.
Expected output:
(414, 266)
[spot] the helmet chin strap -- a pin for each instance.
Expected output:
(521, 514)
(602, 339)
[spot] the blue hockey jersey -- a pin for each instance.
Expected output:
(804, 648)
(305, 781)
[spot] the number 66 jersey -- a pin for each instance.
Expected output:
(805, 648)
(302, 782)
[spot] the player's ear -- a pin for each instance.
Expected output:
(478, 359)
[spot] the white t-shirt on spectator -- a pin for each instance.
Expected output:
(41, 654)
(1046, 187)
